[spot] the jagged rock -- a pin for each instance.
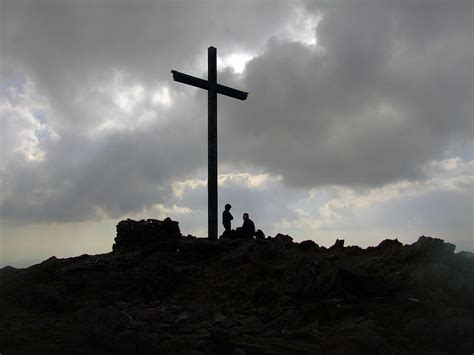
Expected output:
(432, 248)
(338, 244)
(159, 292)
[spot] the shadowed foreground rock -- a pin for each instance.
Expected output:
(160, 292)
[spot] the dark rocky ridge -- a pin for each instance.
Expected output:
(160, 292)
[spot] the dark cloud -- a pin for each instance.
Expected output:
(388, 89)
(62, 40)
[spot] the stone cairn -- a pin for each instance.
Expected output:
(136, 234)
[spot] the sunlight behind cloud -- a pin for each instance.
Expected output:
(162, 97)
(236, 61)
(24, 113)
(252, 181)
(128, 97)
(302, 28)
(121, 102)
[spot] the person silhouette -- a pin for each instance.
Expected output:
(227, 217)
(248, 227)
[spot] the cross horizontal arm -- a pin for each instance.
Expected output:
(227, 91)
(190, 80)
(203, 84)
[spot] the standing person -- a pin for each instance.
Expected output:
(248, 227)
(227, 217)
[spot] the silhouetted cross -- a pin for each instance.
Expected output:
(212, 89)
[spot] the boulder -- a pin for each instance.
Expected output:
(388, 247)
(259, 234)
(308, 244)
(283, 238)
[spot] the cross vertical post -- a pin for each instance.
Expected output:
(212, 143)
(213, 89)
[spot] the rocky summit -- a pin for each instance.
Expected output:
(159, 292)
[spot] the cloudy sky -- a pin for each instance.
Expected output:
(358, 125)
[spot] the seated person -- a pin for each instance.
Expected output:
(248, 227)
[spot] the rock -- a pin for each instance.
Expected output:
(259, 234)
(136, 234)
(389, 247)
(339, 244)
(182, 317)
(308, 244)
(283, 238)
(107, 320)
(231, 234)
(428, 248)
(50, 260)
(464, 254)
(8, 271)
(220, 318)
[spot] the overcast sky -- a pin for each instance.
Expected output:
(358, 124)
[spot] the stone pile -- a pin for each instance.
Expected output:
(133, 235)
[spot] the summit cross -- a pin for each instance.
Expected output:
(213, 88)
